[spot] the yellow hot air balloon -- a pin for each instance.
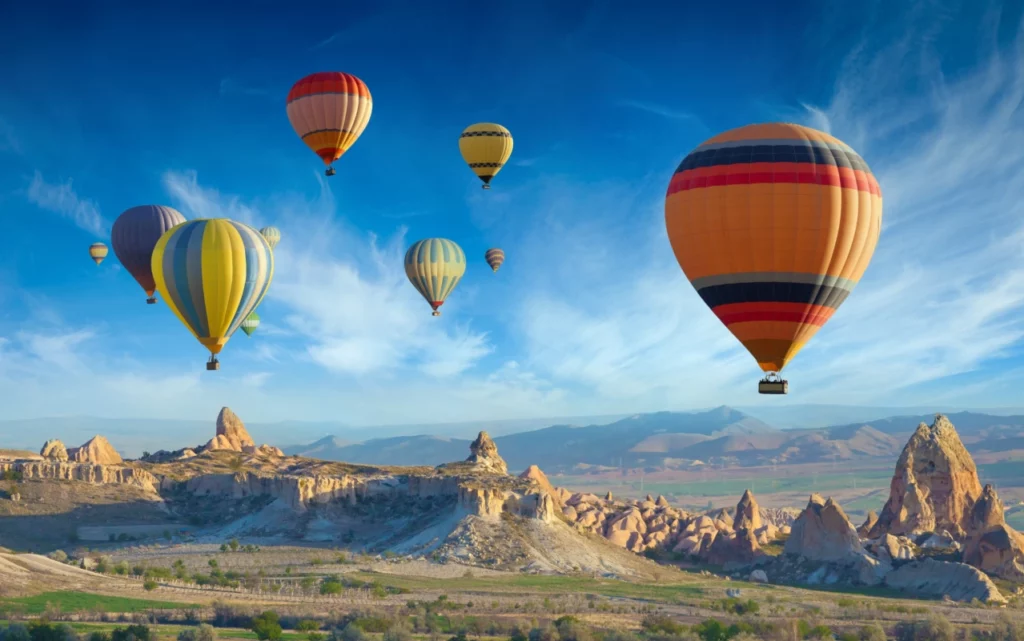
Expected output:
(212, 273)
(273, 236)
(486, 148)
(329, 111)
(434, 267)
(98, 251)
(773, 224)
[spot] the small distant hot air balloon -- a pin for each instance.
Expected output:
(98, 251)
(251, 322)
(273, 236)
(486, 148)
(329, 111)
(134, 236)
(773, 224)
(494, 257)
(434, 267)
(213, 273)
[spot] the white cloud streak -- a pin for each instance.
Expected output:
(60, 198)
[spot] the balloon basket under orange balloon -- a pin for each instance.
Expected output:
(773, 386)
(330, 171)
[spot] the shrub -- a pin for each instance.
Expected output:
(233, 544)
(819, 632)
(935, 628)
(332, 585)
(59, 555)
(137, 632)
(711, 630)
(267, 626)
(15, 632)
(307, 625)
(1006, 629)
(121, 568)
(149, 585)
(397, 633)
(350, 632)
(98, 635)
(872, 632)
(203, 632)
(657, 623)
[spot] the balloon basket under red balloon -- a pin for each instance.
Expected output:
(330, 171)
(435, 313)
(773, 384)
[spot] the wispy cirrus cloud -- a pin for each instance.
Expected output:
(945, 291)
(61, 198)
(231, 87)
(659, 110)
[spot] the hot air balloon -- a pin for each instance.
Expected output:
(134, 236)
(98, 251)
(434, 267)
(251, 322)
(213, 273)
(486, 148)
(494, 257)
(773, 225)
(329, 111)
(272, 234)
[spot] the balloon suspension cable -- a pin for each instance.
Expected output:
(213, 363)
(151, 300)
(330, 171)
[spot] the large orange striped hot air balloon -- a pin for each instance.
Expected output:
(329, 111)
(773, 224)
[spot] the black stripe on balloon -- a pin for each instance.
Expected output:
(817, 155)
(807, 294)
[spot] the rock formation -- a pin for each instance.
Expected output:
(823, 532)
(537, 477)
(96, 450)
(748, 514)
(934, 487)
(865, 528)
(939, 578)
(54, 450)
(992, 545)
(484, 455)
(231, 434)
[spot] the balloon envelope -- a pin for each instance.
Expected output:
(98, 251)
(213, 273)
(485, 147)
(251, 322)
(494, 257)
(272, 234)
(434, 266)
(329, 111)
(135, 234)
(773, 224)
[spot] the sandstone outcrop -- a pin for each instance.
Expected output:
(823, 532)
(484, 455)
(934, 486)
(86, 472)
(748, 513)
(535, 476)
(869, 522)
(992, 545)
(54, 450)
(929, 577)
(231, 434)
(97, 451)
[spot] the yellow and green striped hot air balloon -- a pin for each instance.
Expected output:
(272, 234)
(251, 322)
(212, 273)
(486, 147)
(434, 267)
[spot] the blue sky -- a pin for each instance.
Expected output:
(104, 108)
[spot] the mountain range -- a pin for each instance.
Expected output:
(677, 440)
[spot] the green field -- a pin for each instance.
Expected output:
(83, 601)
(163, 631)
(541, 584)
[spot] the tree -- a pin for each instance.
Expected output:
(307, 625)
(145, 454)
(203, 632)
(350, 632)
(135, 632)
(233, 544)
(267, 626)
